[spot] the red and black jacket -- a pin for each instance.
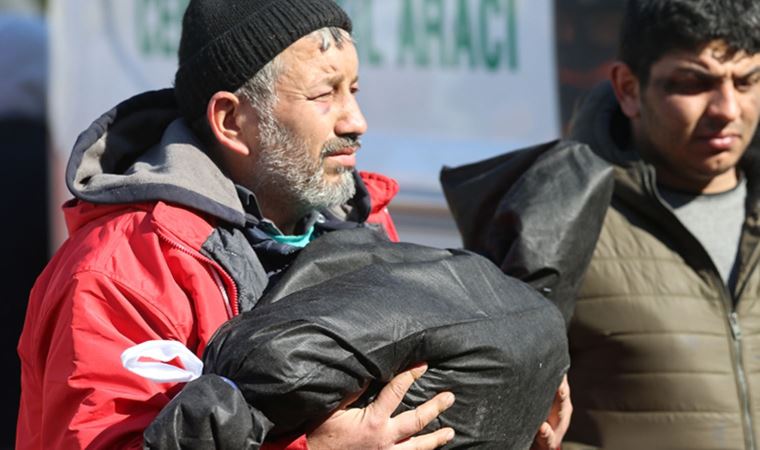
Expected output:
(159, 248)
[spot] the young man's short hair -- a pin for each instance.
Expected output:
(652, 28)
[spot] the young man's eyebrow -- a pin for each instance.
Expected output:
(707, 75)
(696, 70)
(755, 70)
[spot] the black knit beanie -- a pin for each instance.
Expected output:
(226, 42)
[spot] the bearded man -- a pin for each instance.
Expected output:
(189, 203)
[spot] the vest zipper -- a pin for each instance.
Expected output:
(231, 301)
(736, 334)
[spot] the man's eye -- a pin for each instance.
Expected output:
(747, 83)
(322, 96)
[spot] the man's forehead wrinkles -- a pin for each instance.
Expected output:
(325, 73)
(331, 73)
(303, 51)
(305, 67)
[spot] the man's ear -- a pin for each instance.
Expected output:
(227, 116)
(627, 89)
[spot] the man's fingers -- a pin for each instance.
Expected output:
(552, 432)
(544, 438)
(553, 439)
(411, 422)
(429, 441)
(564, 388)
(565, 411)
(391, 395)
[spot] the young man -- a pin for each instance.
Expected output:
(665, 332)
(189, 203)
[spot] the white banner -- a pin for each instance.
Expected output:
(446, 82)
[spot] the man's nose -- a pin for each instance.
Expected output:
(724, 103)
(351, 120)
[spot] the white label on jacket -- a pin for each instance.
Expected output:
(159, 353)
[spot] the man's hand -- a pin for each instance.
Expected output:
(374, 428)
(552, 431)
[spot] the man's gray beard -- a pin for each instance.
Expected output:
(286, 166)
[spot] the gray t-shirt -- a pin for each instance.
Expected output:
(716, 221)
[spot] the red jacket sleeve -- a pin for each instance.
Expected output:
(287, 444)
(76, 393)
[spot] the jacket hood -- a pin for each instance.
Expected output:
(142, 151)
(381, 190)
(600, 124)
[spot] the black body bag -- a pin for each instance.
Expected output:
(535, 212)
(354, 310)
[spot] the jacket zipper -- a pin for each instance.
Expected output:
(231, 301)
(736, 334)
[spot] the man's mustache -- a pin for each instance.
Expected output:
(336, 145)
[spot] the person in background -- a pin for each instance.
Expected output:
(644, 229)
(664, 336)
(23, 171)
